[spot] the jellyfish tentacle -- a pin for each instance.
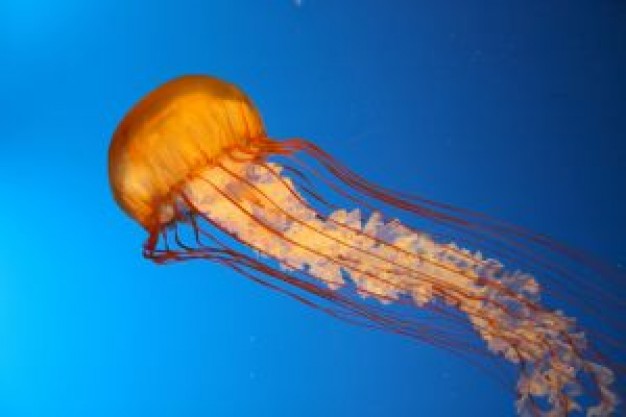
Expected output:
(516, 334)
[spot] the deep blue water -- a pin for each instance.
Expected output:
(516, 109)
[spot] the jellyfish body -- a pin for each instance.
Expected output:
(192, 164)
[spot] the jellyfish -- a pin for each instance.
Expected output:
(192, 164)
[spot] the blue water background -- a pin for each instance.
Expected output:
(516, 109)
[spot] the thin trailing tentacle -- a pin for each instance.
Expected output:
(316, 248)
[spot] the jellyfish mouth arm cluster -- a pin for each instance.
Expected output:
(257, 204)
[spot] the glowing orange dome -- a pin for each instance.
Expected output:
(176, 130)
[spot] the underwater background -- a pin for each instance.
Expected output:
(514, 109)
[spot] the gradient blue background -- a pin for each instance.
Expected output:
(517, 109)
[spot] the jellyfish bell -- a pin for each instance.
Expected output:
(194, 153)
(163, 141)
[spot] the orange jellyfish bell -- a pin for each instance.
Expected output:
(192, 164)
(176, 130)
